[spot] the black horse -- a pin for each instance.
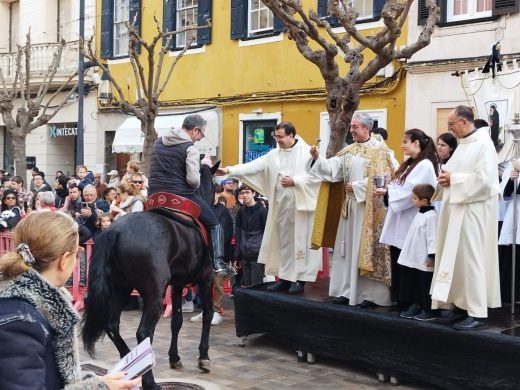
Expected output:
(148, 251)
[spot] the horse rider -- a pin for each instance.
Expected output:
(175, 168)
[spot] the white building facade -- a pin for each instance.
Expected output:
(459, 48)
(50, 147)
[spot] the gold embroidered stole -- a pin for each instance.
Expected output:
(374, 257)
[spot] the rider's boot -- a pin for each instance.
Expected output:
(217, 244)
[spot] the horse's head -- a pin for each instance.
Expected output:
(206, 190)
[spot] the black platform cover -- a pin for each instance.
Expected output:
(408, 349)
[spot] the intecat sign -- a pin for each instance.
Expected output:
(62, 131)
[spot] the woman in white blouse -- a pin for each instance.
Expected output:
(422, 167)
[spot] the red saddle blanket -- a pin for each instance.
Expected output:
(179, 205)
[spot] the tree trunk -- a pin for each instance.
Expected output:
(150, 135)
(340, 116)
(20, 163)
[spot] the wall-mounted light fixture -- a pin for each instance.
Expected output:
(104, 91)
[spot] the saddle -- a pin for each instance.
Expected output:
(178, 208)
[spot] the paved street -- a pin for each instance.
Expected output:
(261, 364)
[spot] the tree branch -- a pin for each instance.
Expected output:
(89, 54)
(27, 51)
(61, 88)
(51, 72)
(17, 70)
(172, 65)
(43, 118)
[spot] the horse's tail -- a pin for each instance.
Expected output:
(97, 303)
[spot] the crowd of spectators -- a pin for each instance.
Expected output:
(93, 203)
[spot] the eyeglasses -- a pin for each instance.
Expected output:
(10, 198)
(118, 194)
(137, 181)
(200, 132)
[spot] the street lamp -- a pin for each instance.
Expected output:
(104, 91)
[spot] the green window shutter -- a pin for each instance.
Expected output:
(204, 14)
(504, 7)
(322, 8)
(135, 18)
(107, 17)
(168, 24)
(378, 7)
(423, 11)
(278, 25)
(238, 19)
(322, 12)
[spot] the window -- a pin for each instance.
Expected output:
(368, 11)
(251, 19)
(365, 8)
(260, 18)
(462, 11)
(258, 138)
(14, 25)
(467, 9)
(114, 34)
(65, 21)
(187, 11)
(178, 14)
(120, 36)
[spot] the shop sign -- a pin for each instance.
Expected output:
(62, 131)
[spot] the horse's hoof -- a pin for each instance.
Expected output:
(205, 365)
(176, 365)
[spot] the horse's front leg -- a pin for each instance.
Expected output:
(152, 311)
(206, 294)
(176, 324)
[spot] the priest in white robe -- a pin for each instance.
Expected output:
(466, 263)
(292, 191)
(350, 217)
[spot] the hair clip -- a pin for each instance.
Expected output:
(23, 249)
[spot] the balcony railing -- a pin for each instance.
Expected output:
(42, 55)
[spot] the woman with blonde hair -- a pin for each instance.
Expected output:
(131, 200)
(37, 319)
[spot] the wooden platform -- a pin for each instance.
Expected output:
(381, 341)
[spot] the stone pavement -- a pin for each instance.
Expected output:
(261, 365)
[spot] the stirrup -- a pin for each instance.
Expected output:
(225, 273)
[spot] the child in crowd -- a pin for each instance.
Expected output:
(249, 231)
(102, 222)
(83, 176)
(418, 255)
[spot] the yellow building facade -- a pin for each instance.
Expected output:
(252, 74)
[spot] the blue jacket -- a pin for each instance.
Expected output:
(37, 337)
(23, 328)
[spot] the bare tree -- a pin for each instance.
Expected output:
(149, 81)
(343, 91)
(32, 111)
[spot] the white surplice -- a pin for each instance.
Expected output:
(285, 249)
(420, 241)
(466, 261)
(345, 280)
(401, 210)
